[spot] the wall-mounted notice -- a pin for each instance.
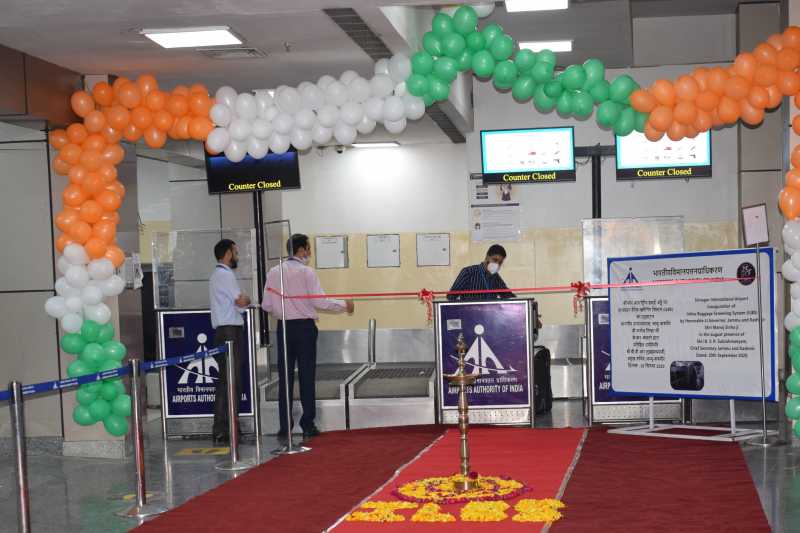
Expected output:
(433, 249)
(383, 251)
(331, 251)
(698, 340)
(494, 212)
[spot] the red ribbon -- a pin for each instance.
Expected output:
(581, 289)
(426, 297)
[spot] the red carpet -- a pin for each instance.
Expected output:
(301, 493)
(627, 483)
(538, 457)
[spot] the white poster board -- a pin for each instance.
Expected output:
(383, 251)
(698, 340)
(494, 211)
(433, 249)
(331, 251)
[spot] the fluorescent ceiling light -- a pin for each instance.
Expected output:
(555, 46)
(191, 37)
(514, 6)
(391, 144)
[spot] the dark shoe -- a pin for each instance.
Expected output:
(311, 432)
(283, 438)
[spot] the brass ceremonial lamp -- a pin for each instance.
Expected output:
(462, 380)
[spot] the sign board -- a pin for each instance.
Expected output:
(433, 249)
(383, 251)
(641, 159)
(331, 251)
(273, 172)
(542, 155)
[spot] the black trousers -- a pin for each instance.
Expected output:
(301, 337)
(222, 334)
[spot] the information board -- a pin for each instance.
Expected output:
(639, 158)
(541, 155)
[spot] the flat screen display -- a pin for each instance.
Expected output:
(272, 172)
(640, 159)
(541, 155)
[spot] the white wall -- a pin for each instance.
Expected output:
(681, 40)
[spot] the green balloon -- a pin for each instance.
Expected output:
(542, 72)
(564, 104)
(626, 122)
(116, 425)
(505, 73)
(599, 91)
(465, 19)
(121, 406)
(582, 104)
(621, 88)
(93, 354)
(90, 330)
(595, 71)
(106, 333)
(432, 44)
(82, 416)
(491, 32)
(442, 24)
(525, 60)
(797, 430)
(573, 77)
(794, 336)
(115, 350)
(608, 113)
(85, 396)
(543, 103)
(794, 350)
(453, 44)
(100, 409)
(793, 383)
(94, 387)
(110, 391)
(553, 88)
(547, 56)
(483, 64)
(464, 61)
(446, 69)
(72, 343)
(417, 84)
(793, 408)
(440, 89)
(523, 88)
(428, 99)
(109, 364)
(641, 120)
(79, 368)
(502, 47)
(422, 63)
(476, 41)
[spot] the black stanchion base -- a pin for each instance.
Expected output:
(291, 450)
(234, 466)
(143, 511)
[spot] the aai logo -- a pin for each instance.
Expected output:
(200, 368)
(481, 357)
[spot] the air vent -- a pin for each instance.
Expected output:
(232, 53)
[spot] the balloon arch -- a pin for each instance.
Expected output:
(338, 109)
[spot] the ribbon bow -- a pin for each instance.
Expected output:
(581, 289)
(426, 297)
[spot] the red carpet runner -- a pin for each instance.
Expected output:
(626, 483)
(538, 457)
(301, 493)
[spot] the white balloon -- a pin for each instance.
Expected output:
(794, 290)
(415, 107)
(449, 10)
(100, 313)
(344, 133)
(328, 116)
(226, 95)
(264, 100)
(261, 128)
(351, 113)
(393, 109)
(91, 295)
(790, 272)
(301, 139)
(220, 114)
(240, 129)
(359, 90)
(381, 66)
(399, 67)
(257, 148)
(366, 126)
(56, 306)
(788, 250)
(484, 10)
(74, 304)
(270, 113)
(65, 289)
(348, 76)
(313, 97)
(791, 234)
(320, 134)
(100, 269)
(289, 100)
(246, 106)
(218, 139)
(76, 254)
(336, 93)
(304, 85)
(112, 286)
(236, 151)
(324, 81)
(796, 260)
(71, 323)
(395, 126)
(791, 321)
(62, 265)
(400, 89)
(305, 119)
(279, 143)
(381, 85)
(795, 306)
(373, 109)
(283, 123)
(77, 276)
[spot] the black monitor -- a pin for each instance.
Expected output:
(270, 173)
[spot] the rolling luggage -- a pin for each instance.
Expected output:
(542, 391)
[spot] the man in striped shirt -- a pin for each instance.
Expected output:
(483, 276)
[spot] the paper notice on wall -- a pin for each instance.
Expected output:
(494, 213)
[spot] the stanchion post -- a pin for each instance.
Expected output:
(21, 458)
(233, 416)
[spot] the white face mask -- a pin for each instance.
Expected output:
(304, 260)
(493, 268)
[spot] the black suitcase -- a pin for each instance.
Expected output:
(542, 391)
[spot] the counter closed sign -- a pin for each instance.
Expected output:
(274, 172)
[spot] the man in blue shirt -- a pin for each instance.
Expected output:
(483, 276)
(228, 303)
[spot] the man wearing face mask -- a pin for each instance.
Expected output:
(301, 329)
(228, 303)
(481, 277)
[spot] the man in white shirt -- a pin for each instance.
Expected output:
(228, 303)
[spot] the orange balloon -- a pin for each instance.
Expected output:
(173, 131)
(91, 160)
(707, 100)
(691, 132)
(95, 141)
(118, 84)
(795, 157)
(796, 124)
(728, 110)
(112, 217)
(717, 79)
(182, 126)
(676, 131)
(62, 241)
(789, 202)
(141, 117)
(776, 40)
(775, 97)
(104, 230)
(200, 127)
(199, 104)
(198, 88)
(154, 137)
(156, 100)
(113, 154)
(60, 166)
(745, 65)
(789, 83)
(131, 133)
(765, 75)
(177, 105)
(664, 92)
(797, 100)
(651, 133)
(686, 88)
(758, 97)
(109, 200)
(115, 255)
(182, 90)
(76, 133)
(80, 232)
(147, 83)
(163, 120)
(642, 101)
(118, 117)
(71, 153)
(685, 113)
(93, 184)
(700, 75)
(77, 174)
(94, 121)
(765, 53)
(751, 115)
(737, 88)
(82, 103)
(793, 179)
(787, 59)
(111, 135)
(118, 188)
(103, 94)
(58, 139)
(661, 118)
(703, 121)
(66, 218)
(129, 95)
(791, 38)
(95, 248)
(107, 172)
(90, 211)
